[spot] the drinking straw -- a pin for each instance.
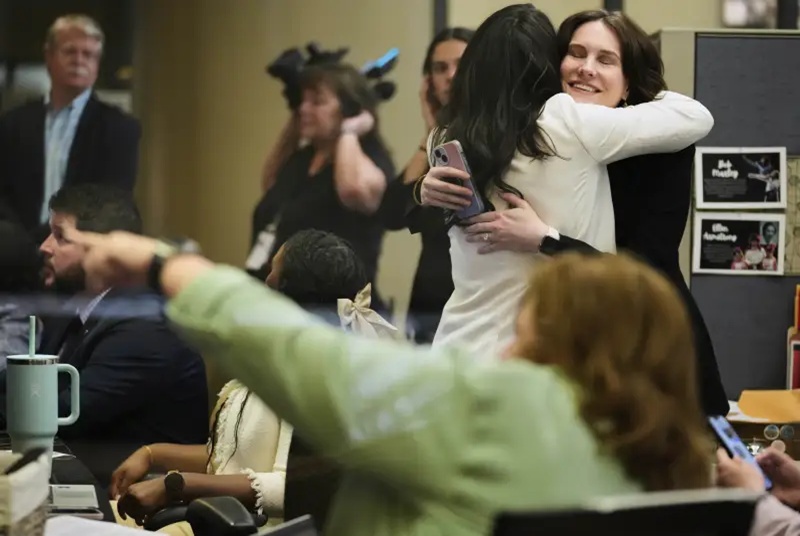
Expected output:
(32, 337)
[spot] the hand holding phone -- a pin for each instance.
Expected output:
(451, 154)
(734, 445)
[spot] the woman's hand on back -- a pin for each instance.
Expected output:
(436, 191)
(129, 472)
(517, 228)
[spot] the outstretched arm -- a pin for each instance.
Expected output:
(667, 124)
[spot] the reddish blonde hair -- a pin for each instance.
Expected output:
(621, 333)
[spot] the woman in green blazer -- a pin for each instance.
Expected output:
(595, 397)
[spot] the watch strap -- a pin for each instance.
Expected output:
(164, 250)
(550, 242)
(174, 485)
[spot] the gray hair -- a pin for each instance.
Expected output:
(84, 23)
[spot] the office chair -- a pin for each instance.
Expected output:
(220, 512)
(709, 512)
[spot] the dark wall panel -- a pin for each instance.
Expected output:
(752, 86)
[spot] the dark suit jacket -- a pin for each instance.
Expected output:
(105, 149)
(651, 195)
(139, 383)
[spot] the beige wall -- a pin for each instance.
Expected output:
(210, 113)
(652, 15)
(471, 13)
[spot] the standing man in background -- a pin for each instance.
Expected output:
(68, 137)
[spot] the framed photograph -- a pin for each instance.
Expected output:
(733, 243)
(740, 177)
(750, 13)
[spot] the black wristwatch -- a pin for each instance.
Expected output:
(550, 243)
(174, 484)
(166, 249)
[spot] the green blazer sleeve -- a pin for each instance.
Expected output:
(373, 405)
(440, 440)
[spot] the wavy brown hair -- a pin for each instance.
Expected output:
(619, 331)
(641, 61)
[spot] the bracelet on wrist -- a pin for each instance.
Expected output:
(149, 453)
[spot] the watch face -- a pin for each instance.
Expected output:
(174, 483)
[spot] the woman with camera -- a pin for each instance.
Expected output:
(329, 169)
(433, 283)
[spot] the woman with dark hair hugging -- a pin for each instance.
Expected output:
(604, 54)
(247, 452)
(522, 135)
(433, 283)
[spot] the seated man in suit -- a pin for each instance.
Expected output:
(139, 383)
(68, 137)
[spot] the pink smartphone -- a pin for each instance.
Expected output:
(451, 154)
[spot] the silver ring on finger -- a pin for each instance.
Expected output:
(485, 237)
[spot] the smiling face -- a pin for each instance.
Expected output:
(591, 71)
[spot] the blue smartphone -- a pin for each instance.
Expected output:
(733, 444)
(451, 154)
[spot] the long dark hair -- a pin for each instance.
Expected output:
(448, 34)
(215, 430)
(641, 62)
(508, 71)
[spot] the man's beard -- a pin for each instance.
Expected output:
(71, 282)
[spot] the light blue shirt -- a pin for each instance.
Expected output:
(59, 132)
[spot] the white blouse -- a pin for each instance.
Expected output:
(569, 191)
(261, 451)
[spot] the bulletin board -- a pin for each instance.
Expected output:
(751, 84)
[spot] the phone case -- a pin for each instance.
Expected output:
(733, 444)
(450, 154)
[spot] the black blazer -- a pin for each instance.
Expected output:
(433, 281)
(651, 196)
(139, 383)
(105, 149)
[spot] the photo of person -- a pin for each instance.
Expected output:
(769, 234)
(755, 254)
(738, 243)
(738, 260)
(770, 263)
(744, 178)
(766, 173)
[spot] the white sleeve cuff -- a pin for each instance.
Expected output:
(269, 489)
